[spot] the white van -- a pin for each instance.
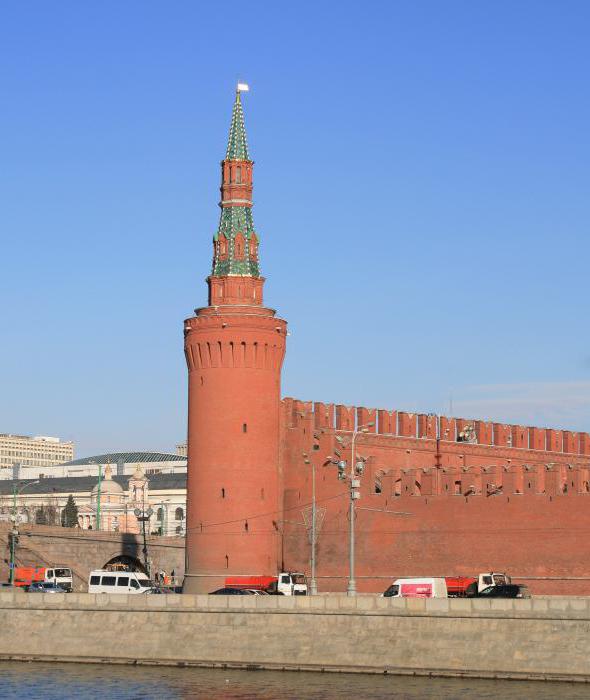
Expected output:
(417, 588)
(102, 581)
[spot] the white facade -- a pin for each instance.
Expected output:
(40, 451)
(85, 468)
(40, 501)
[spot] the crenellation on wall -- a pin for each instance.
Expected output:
(584, 443)
(494, 441)
(502, 435)
(536, 438)
(553, 440)
(367, 417)
(407, 424)
(520, 437)
(570, 442)
(386, 422)
(447, 429)
(427, 426)
(345, 417)
(484, 432)
(323, 415)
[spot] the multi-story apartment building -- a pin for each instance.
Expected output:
(39, 451)
(181, 449)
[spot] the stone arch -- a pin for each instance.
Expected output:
(125, 562)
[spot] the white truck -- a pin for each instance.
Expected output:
(285, 583)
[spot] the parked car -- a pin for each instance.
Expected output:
(512, 590)
(166, 590)
(44, 587)
(233, 591)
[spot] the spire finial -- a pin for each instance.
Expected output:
(237, 146)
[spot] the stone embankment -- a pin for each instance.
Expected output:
(545, 638)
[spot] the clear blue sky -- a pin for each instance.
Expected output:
(422, 198)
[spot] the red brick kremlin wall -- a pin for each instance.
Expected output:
(517, 501)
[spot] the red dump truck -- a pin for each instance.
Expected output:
(24, 576)
(462, 586)
(285, 583)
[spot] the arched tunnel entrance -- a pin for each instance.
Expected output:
(124, 562)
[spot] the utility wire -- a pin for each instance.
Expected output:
(265, 515)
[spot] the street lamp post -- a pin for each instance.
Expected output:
(98, 493)
(354, 482)
(313, 585)
(14, 531)
(164, 521)
(144, 516)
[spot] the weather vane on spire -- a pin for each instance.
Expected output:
(242, 87)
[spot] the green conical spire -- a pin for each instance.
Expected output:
(237, 146)
(236, 243)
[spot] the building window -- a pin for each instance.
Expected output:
(179, 514)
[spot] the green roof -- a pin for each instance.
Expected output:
(237, 146)
(232, 221)
(236, 219)
(127, 458)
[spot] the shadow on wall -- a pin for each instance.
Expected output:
(131, 556)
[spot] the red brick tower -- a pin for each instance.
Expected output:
(234, 350)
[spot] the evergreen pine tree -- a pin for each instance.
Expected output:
(69, 515)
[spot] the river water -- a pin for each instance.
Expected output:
(101, 682)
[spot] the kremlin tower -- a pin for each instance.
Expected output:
(234, 350)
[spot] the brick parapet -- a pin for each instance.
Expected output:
(527, 440)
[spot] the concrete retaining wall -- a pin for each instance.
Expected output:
(538, 638)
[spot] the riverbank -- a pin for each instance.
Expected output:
(545, 638)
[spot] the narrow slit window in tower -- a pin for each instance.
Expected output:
(244, 427)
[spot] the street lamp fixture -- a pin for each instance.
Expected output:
(14, 531)
(98, 494)
(313, 585)
(357, 469)
(164, 521)
(143, 516)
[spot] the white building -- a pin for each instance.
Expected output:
(122, 464)
(39, 451)
(42, 501)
